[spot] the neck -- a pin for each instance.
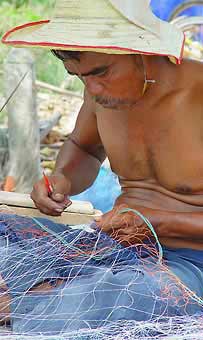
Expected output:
(161, 76)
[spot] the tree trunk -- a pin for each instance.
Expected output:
(3, 154)
(23, 128)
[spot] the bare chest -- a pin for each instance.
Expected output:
(167, 149)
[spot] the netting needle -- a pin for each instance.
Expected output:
(48, 185)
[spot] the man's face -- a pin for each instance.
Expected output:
(114, 81)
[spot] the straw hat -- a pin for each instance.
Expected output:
(107, 26)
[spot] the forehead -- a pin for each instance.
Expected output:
(92, 60)
(97, 57)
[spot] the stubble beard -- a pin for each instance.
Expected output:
(114, 103)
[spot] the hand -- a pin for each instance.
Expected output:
(55, 203)
(127, 227)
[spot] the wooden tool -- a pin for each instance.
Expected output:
(80, 212)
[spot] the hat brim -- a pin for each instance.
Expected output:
(45, 34)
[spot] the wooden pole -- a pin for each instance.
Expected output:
(24, 135)
(3, 153)
(78, 213)
(58, 90)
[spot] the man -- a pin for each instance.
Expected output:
(141, 111)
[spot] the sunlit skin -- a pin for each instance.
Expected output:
(153, 142)
(110, 80)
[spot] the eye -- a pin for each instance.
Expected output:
(103, 73)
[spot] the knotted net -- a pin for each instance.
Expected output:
(62, 282)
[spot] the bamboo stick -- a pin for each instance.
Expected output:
(65, 218)
(24, 200)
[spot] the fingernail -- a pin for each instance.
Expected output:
(58, 196)
(59, 210)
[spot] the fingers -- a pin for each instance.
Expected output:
(105, 221)
(98, 218)
(128, 237)
(61, 186)
(127, 228)
(116, 220)
(51, 204)
(46, 205)
(62, 200)
(57, 197)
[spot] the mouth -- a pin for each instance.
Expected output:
(111, 103)
(116, 106)
(108, 106)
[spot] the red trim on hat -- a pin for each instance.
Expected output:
(21, 27)
(27, 43)
(182, 51)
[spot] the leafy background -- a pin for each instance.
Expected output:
(17, 12)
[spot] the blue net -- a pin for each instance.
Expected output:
(63, 282)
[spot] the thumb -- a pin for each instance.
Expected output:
(61, 198)
(58, 197)
(61, 189)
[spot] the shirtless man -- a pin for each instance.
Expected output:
(153, 142)
(145, 114)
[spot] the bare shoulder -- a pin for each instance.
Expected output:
(192, 80)
(191, 95)
(193, 71)
(85, 133)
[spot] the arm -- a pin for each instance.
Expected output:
(180, 225)
(172, 224)
(77, 165)
(81, 156)
(171, 228)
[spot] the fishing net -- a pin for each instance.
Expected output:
(63, 282)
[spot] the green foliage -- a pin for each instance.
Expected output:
(48, 68)
(51, 70)
(12, 16)
(18, 12)
(19, 3)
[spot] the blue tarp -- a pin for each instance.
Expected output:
(103, 192)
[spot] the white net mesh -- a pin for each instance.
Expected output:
(63, 283)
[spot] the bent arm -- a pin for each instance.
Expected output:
(168, 225)
(82, 154)
(188, 226)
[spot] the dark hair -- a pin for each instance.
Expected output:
(65, 55)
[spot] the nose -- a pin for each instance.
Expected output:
(93, 86)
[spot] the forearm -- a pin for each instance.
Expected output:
(171, 225)
(181, 225)
(78, 166)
